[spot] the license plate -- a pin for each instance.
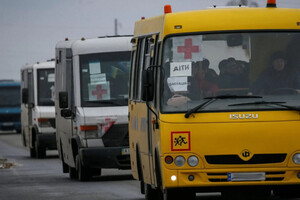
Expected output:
(125, 151)
(8, 124)
(248, 176)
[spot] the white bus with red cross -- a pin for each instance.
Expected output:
(91, 104)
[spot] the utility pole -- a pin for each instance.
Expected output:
(116, 26)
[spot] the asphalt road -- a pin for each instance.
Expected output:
(22, 177)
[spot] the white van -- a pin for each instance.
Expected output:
(91, 105)
(37, 108)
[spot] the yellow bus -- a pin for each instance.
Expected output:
(214, 103)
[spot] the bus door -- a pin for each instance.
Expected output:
(146, 49)
(64, 81)
(30, 105)
(150, 60)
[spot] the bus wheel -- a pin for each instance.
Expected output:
(73, 173)
(169, 194)
(96, 171)
(32, 152)
(40, 151)
(151, 193)
(83, 172)
(284, 192)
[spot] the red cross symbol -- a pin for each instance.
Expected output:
(106, 126)
(188, 48)
(99, 91)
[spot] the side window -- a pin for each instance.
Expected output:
(30, 87)
(139, 68)
(132, 77)
(69, 81)
(147, 57)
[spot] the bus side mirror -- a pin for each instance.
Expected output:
(66, 113)
(234, 40)
(25, 95)
(63, 99)
(148, 84)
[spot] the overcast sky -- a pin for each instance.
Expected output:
(30, 29)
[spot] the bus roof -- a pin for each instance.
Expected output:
(221, 19)
(39, 65)
(64, 44)
(101, 44)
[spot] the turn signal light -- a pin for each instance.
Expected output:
(89, 128)
(169, 159)
(43, 119)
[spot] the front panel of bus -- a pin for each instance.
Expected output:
(229, 106)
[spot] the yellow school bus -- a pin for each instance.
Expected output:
(214, 103)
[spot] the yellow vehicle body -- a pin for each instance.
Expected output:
(244, 141)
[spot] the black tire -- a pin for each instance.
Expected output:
(73, 173)
(171, 194)
(151, 193)
(247, 194)
(32, 152)
(96, 172)
(40, 152)
(84, 173)
(287, 192)
(65, 167)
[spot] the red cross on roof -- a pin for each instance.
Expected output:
(99, 91)
(188, 48)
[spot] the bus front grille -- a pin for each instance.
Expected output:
(10, 117)
(116, 136)
(236, 160)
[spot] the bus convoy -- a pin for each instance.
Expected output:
(91, 105)
(195, 101)
(37, 108)
(10, 112)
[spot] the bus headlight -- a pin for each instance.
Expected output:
(193, 161)
(296, 158)
(179, 161)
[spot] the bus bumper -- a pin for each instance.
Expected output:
(105, 157)
(8, 126)
(47, 140)
(198, 179)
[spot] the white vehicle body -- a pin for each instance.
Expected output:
(94, 132)
(37, 108)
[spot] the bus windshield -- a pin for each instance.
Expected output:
(264, 64)
(104, 79)
(45, 87)
(10, 96)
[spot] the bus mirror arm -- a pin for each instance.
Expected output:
(154, 122)
(148, 91)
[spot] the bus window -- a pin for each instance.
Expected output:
(200, 66)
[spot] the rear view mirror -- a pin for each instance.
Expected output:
(66, 113)
(63, 99)
(234, 40)
(25, 95)
(148, 84)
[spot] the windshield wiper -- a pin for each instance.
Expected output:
(212, 99)
(277, 103)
